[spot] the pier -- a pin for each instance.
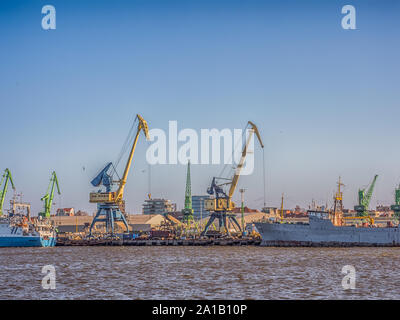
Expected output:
(153, 242)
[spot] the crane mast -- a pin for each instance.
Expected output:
(6, 178)
(48, 197)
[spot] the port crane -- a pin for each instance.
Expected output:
(221, 205)
(396, 206)
(48, 197)
(109, 203)
(364, 198)
(6, 178)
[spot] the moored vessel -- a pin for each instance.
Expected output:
(18, 231)
(320, 231)
(328, 228)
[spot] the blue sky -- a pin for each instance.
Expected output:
(325, 99)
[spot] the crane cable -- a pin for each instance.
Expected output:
(232, 158)
(125, 146)
(265, 196)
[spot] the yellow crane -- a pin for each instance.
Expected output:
(369, 218)
(221, 206)
(109, 203)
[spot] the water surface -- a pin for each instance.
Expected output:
(199, 273)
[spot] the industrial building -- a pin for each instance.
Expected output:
(65, 212)
(136, 222)
(66, 223)
(158, 206)
(199, 207)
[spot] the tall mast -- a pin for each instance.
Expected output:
(188, 192)
(338, 199)
(188, 211)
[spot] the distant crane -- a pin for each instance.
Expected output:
(48, 197)
(364, 198)
(221, 206)
(5, 179)
(188, 211)
(396, 206)
(109, 203)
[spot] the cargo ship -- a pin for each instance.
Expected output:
(321, 231)
(20, 232)
(328, 228)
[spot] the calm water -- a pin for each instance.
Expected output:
(199, 273)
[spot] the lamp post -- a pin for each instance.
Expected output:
(242, 209)
(201, 213)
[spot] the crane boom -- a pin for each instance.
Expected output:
(235, 179)
(369, 192)
(49, 196)
(106, 180)
(5, 178)
(142, 126)
(364, 198)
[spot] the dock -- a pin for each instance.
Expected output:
(153, 242)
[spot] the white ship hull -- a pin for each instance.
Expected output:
(14, 236)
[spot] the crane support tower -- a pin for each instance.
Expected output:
(396, 206)
(364, 198)
(221, 205)
(48, 197)
(109, 203)
(6, 178)
(188, 211)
